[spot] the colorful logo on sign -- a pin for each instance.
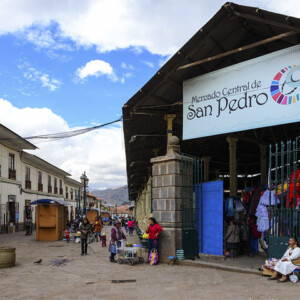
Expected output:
(284, 87)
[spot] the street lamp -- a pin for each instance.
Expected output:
(85, 182)
(77, 196)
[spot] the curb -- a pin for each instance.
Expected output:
(216, 267)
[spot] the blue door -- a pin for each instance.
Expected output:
(210, 209)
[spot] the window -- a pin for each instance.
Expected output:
(49, 184)
(40, 181)
(11, 161)
(27, 174)
(40, 178)
(55, 185)
(0, 170)
(11, 167)
(60, 187)
(67, 194)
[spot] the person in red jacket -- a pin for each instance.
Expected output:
(154, 231)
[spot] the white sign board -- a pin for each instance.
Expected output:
(261, 92)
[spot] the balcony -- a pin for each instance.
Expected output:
(28, 184)
(49, 189)
(12, 174)
(61, 191)
(40, 187)
(55, 190)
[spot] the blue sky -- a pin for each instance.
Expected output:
(70, 64)
(81, 103)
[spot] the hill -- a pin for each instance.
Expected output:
(114, 195)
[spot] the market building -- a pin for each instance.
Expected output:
(198, 134)
(25, 178)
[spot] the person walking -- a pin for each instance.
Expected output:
(85, 229)
(116, 236)
(154, 230)
(130, 226)
(98, 228)
(232, 238)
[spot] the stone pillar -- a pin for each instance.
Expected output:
(232, 165)
(206, 160)
(263, 164)
(169, 118)
(166, 193)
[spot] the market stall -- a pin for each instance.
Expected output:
(50, 219)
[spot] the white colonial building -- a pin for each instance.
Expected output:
(25, 177)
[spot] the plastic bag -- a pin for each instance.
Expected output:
(113, 249)
(91, 238)
(153, 257)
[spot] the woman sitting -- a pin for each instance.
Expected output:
(289, 262)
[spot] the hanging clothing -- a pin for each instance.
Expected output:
(287, 267)
(265, 198)
(230, 210)
(294, 186)
(255, 201)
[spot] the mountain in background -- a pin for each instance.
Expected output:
(113, 196)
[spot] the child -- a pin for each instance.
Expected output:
(67, 235)
(103, 239)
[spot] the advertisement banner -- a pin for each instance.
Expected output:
(257, 93)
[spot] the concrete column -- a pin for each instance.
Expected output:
(232, 165)
(206, 160)
(166, 193)
(263, 164)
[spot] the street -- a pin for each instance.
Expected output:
(90, 277)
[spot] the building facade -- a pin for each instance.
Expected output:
(25, 177)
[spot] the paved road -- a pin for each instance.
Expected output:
(90, 277)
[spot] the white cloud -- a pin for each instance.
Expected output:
(34, 75)
(161, 27)
(96, 68)
(148, 63)
(127, 66)
(100, 153)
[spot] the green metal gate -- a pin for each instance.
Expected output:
(191, 172)
(284, 218)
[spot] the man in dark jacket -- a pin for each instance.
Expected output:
(85, 228)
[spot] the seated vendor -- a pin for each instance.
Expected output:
(289, 262)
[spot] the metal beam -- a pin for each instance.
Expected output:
(265, 41)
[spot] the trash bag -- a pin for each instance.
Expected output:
(153, 257)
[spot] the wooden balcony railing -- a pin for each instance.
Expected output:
(61, 191)
(12, 174)
(49, 189)
(55, 190)
(40, 187)
(28, 184)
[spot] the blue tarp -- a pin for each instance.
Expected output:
(50, 201)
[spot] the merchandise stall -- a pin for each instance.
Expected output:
(50, 219)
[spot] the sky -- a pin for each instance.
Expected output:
(71, 64)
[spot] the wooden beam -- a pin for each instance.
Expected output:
(268, 40)
(266, 21)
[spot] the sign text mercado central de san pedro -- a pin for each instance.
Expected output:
(256, 93)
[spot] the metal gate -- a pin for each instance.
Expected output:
(284, 216)
(191, 172)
